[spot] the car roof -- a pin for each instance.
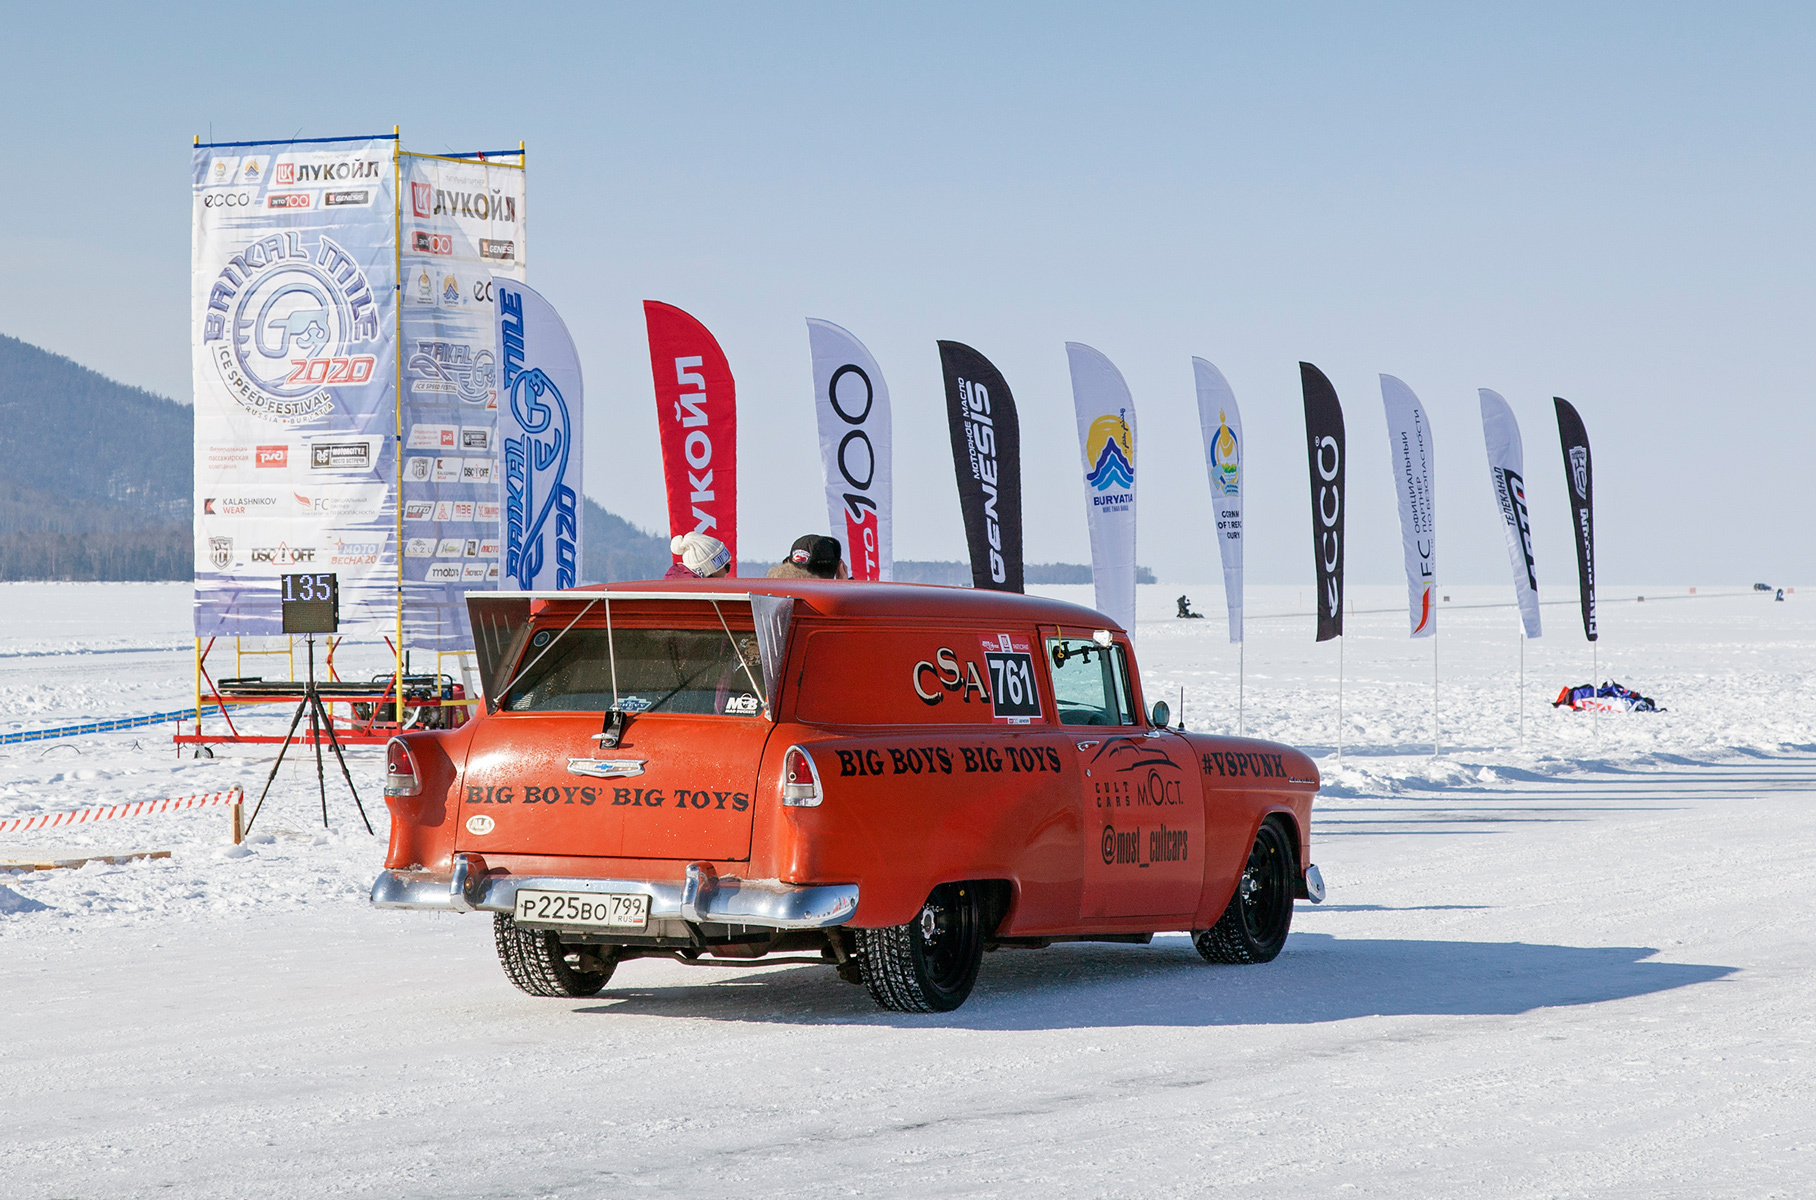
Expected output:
(845, 598)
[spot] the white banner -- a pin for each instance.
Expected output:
(463, 228)
(1409, 446)
(852, 404)
(293, 335)
(540, 406)
(1220, 421)
(1507, 473)
(1106, 439)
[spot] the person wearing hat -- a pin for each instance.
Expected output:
(702, 557)
(813, 556)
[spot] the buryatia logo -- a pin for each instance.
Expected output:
(1110, 449)
(1226, 459)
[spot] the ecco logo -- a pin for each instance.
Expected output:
(1329, 461)
(227, 200)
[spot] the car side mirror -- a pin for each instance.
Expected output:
(1162, 714)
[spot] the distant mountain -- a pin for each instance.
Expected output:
(616, 550)
(97, 481)
(96, 477)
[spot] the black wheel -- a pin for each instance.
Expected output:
(536, 961)
(929, 964)
(1254, 927)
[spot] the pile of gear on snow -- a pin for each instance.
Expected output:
(1610, 697)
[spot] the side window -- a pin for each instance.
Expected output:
(1090, 682)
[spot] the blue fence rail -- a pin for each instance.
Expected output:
(45, 735)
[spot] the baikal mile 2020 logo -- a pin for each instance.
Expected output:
(284, 324)
(535, 464)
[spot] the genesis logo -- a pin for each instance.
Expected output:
(980, 436)
(281, 320)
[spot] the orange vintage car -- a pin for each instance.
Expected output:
(891, 779)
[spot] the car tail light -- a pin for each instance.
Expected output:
(401, 778)
(800, 779)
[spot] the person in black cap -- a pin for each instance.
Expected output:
(813, 556)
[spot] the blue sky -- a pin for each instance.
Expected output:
(1608, 203)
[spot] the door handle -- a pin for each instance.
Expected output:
(1086, 745)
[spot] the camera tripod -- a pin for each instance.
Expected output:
(319, 720)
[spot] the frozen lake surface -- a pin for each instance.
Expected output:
(1573, 961)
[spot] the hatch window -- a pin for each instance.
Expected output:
(659, 670)
(1090, 682)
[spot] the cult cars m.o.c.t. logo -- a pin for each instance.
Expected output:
(286, 322)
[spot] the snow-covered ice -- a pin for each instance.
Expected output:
(1570, 964)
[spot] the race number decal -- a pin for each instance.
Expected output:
(1010, 663)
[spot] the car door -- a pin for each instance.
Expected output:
(1140, 812)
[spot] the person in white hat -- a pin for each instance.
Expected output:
(702, 557)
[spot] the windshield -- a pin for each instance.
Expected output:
(659, 670)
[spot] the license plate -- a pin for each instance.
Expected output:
(589, 910)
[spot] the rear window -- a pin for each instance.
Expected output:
(658, 670)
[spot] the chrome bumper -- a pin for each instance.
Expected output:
(703, 897)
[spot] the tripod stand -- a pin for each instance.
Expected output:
(318, 721)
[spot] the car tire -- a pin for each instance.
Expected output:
(1253, 928)
(536, 961)
(929, 964)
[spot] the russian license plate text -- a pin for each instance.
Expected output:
(591, 909)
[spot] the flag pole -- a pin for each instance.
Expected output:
(1522, 693)
(1241, 680)
(1339, 700)
(1434, 685)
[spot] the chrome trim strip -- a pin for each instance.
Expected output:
(766, 902)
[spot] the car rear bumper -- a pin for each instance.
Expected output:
(702, 897)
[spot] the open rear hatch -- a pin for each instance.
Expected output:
(623, 725)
